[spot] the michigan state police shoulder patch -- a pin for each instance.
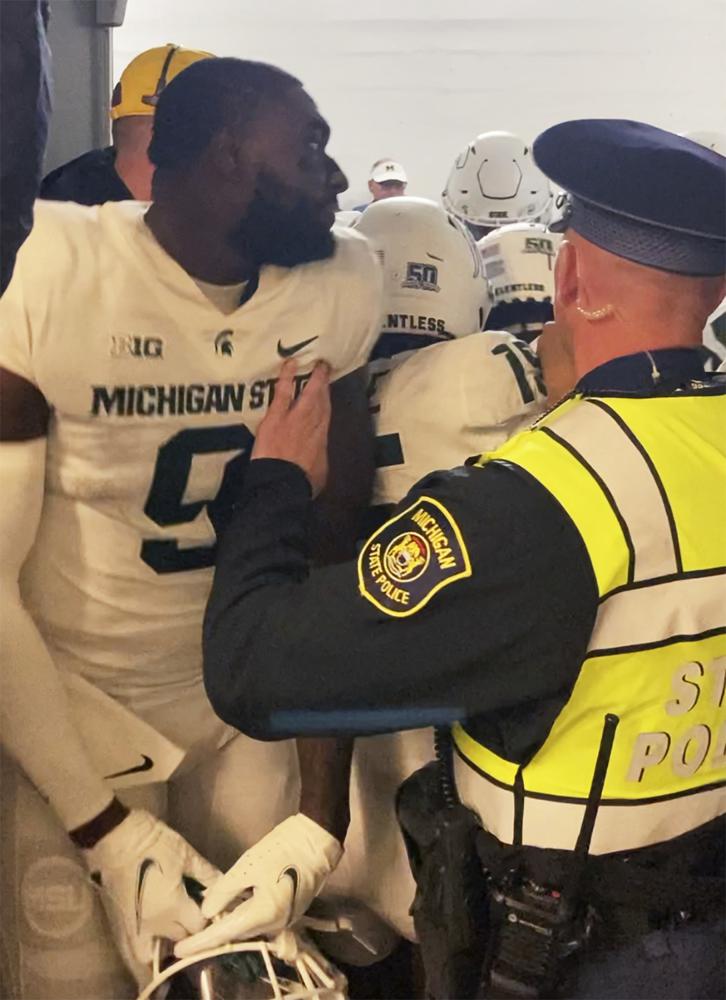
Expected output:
(411, 557)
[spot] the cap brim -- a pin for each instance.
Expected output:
(389, 176)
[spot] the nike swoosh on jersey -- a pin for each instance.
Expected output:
(144, 867)
(294, 877)
(145, 765)
(287, 352)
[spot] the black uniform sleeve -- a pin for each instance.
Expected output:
(24, 115)
(90, 179)
(290, 651)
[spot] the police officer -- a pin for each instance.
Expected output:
(123, 171)
(560, 603)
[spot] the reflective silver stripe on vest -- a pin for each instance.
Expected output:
(556, 824)
(605, 448)
(654, 614)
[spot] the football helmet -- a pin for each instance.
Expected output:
(347, 217)
(519, 264)
(711, 140)
(494, 181)
(287, 967)
(714, 339)
(434, 287)
(560, 211)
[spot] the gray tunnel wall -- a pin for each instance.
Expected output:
(80, 41)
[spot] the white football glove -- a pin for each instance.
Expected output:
(140, 866)
(280, 876)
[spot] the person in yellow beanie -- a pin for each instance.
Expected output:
(122, 171)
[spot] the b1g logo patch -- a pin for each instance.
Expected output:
(411, 557)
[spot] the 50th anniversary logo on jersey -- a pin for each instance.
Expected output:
(411, 558)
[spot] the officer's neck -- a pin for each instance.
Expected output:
(595, 342)
(136, 172)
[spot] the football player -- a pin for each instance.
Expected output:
(140, 350)
(494, 181)
(441, 390)
(519, 264)
(346, 218)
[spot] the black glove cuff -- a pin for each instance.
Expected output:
(88, 834)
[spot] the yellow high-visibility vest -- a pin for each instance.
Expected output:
(644, 482)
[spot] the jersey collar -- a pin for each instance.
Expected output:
(662, 371)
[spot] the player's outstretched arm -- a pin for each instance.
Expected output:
(139, 864)
(338, 517)
(37, 728)
(327, 427)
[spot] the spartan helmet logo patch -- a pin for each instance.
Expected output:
(412, 557)
(223, 343)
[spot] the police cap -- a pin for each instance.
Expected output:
(640, 192)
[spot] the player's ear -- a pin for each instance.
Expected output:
(230, 159)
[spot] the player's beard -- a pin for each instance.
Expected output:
(276, 231)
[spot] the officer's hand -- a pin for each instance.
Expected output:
(296, 430)
(555, 352)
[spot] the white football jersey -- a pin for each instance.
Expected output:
(435, 407)
(156, 396)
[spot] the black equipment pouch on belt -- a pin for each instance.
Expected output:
(449, 908)
(529, 927)
(533, 929)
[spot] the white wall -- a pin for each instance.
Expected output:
(416, 79)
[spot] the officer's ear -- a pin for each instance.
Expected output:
(567, 283)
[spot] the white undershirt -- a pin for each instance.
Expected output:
(225, 297)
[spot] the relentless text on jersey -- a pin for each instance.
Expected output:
(403, 321)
